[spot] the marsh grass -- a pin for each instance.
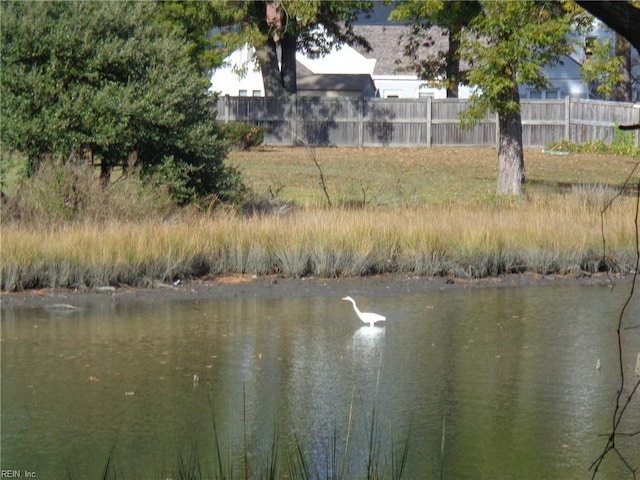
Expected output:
(542, 235)
(445, 221)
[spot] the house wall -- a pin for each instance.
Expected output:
(330, 93)
(410, 86)
(227, 81)
(565, 80)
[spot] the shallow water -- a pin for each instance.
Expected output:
(504, 378)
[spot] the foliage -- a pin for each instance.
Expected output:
(107, 82)
(69, 192)
(242, 136)
(602, 68)
(623, 143)
(194, 19)
(239, 23)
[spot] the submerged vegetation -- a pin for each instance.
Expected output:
(83, 236)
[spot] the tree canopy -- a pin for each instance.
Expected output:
(112, 83)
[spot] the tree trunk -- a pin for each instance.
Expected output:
(105, 173)
(271, 75)
(453, 63)
(511, 173)
(623, 92)
(288, 64)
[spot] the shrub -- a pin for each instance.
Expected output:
(242, 136)
(61, 192)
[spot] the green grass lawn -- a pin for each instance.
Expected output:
(414, 176)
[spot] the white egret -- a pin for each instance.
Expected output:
(366, 317)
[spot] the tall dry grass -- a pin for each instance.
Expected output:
(545, 234)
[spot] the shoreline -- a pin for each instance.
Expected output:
(247, 286)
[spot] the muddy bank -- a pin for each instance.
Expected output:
(244, 286)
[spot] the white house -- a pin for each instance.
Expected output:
(343, 67)
(239, 76)
(346, 70)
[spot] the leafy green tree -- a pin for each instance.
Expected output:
(608, 68)
(453, 17)
(507, 45)
(110, 83)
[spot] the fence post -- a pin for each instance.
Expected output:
(567, 118)
(293, 116)
(429, 121)
(636, 120)
(361, 123)
(225, 103)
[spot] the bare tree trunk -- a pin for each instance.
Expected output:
(511, 172)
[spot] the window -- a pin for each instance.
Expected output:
(589, 45)
(242, 93)
(544, 94)
(391, 94)
(256, 93)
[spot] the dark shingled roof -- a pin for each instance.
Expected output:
(336, 82)
(386, 48)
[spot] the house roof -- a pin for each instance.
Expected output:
(335, 82)
(386, 47)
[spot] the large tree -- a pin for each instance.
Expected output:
(108, 82)
(507, 45)
(277, 29)
(452, 17)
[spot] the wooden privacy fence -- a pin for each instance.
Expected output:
(377, 122)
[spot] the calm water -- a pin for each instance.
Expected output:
(506, 376)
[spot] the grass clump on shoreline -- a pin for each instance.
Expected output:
(554, 228)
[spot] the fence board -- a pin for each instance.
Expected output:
(375, 122)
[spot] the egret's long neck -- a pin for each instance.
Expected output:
(355, 307)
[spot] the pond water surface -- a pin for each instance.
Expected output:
(477, 384)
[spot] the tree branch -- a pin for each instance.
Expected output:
(620, 406)
(622, 17)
